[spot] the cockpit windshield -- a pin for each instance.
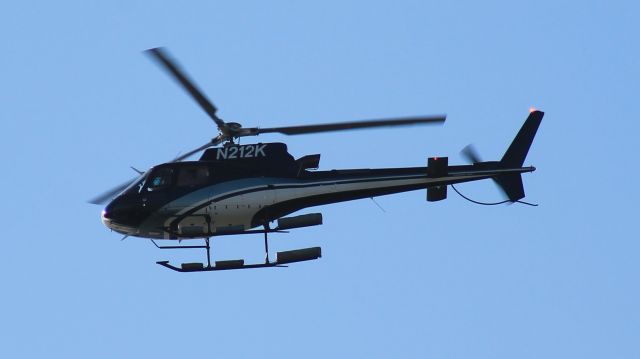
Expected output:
(135, 186)
(159, 179)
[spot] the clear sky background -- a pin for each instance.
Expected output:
(79, 104)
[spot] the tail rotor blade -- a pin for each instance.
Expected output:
(470, 154)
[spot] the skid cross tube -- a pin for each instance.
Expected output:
(179, 236)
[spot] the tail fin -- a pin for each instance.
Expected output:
(517, 152)
(514, 157)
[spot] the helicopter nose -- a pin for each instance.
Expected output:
(121, 216)
(107, 217)
(109, 214)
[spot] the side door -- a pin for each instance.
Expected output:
(193, 181)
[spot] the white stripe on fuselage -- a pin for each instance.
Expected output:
(239, 210)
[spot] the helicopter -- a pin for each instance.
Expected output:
(235, 189)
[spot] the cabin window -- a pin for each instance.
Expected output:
(159, 179)
(193, 175)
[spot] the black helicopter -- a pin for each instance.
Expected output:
(241, 189)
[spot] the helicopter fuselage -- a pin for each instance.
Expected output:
(233, 189)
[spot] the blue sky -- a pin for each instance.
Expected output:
(80, 104)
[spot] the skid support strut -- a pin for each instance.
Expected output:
(266, 243)
(206, 241)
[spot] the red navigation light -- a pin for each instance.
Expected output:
(532, 109)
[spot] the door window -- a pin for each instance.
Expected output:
(193, 175)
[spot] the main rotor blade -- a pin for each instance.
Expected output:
(160, 55)
(213, 142)
(343, 126)
(103, 198)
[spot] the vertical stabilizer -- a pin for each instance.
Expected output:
(515, 156)
(517, 152)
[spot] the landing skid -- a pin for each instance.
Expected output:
(282, 258)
